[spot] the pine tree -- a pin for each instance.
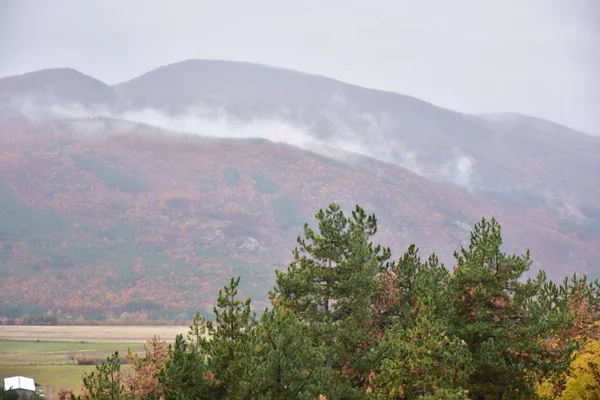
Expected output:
(488, 314)
(347, 323)
(185, 376)
(423, 360)
(331, 286)
(230, 335)
(216, 361)
(419, 358)
(404, 283)
(105, 383)
(289, 365)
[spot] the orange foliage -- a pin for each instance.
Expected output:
(175, 213)
(144, 380)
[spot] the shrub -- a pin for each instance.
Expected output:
(264, 184)
(84, 359)
(21, 221)
(19, 310)
(112, 177)
(40, 320)
(287, 212)
(142, 305)
(231, 176)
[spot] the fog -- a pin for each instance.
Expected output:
(535, 57)
(217, 123)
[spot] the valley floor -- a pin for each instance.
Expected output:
(47, 353)
(102, 333)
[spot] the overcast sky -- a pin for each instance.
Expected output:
(539, 57)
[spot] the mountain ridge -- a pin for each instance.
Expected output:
(116, 218)
(388, 126)
(164, 189)
(286, 70)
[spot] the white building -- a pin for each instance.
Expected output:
(20, 384)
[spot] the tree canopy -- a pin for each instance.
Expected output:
(347, 321)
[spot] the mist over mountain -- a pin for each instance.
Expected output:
(158, 149)
(481, 153)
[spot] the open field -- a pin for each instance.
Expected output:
(17, 352)
(45, 353)
(49, 376)
(100, 334)
(51, 364)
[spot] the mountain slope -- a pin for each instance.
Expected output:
(331, 108)
(103, 208)
(488, 157)
(55, 86)
(515, 154)
(118, 221)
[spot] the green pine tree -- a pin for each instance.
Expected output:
(422, 361)
(185, 376)
(216, 361)
(105, 382)
(488, 314)
(290, 366)
(331, 286)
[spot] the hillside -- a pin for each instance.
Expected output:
(137, 218)
(517, 155)
(493, 157)
(36, 91)
(105, 208)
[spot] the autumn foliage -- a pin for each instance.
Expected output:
(143, 228)
(347, 321)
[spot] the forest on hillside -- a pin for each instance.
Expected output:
(349, 321)
(96, 230)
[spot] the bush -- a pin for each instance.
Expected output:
(208, 185)
(264, 184)
(21, 221)
(19, 310)
(40, 320)
(10, 394)
(112, 177)
(142, 305)
(231, 176)
(84, 359)
(287, 213)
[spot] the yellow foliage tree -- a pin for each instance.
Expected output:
(583, 381)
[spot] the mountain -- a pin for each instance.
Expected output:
(53, 87)
(106, 209)
(562, 161)
(510, 154)
(486, 155)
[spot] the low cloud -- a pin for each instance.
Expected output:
(460, 172)
(218, 123)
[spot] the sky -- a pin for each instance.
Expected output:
(537, 57)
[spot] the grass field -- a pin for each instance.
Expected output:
(50, 377)
(102, 334)
(45, 353)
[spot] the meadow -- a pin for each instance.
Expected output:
(48, 354)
